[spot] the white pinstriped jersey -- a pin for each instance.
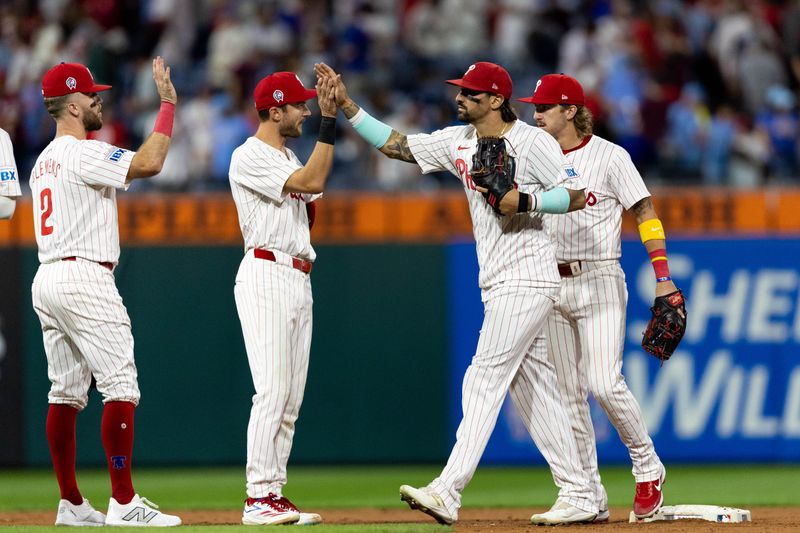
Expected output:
(9, 177)
(74, 184)
(509, 248)
(269, 218)
(612, 184)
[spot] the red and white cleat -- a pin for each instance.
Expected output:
(649, 497)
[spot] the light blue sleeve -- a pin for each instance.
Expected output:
(555, 201)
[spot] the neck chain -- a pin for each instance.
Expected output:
(506, 127)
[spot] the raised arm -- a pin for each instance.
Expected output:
(150, 157)
(313, 176)
(390, 142)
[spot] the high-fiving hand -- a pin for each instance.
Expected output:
(166, 91)
(323, 71)
(326, 89)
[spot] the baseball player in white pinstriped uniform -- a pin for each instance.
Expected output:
(519, 283)
(9, 177)
(272, 191)
(85, 326)
(586, 331)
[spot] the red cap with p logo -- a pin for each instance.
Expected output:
(487, 78)
(556, 89)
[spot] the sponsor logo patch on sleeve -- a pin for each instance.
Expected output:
(8, 174)
(116, 155)
(571, 172)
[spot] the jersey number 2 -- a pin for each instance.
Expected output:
(46, 198)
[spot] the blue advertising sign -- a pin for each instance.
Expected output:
(732, 390)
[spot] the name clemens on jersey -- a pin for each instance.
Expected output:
(46, 167)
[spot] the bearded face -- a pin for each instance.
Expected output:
(93, 113)
(472, 105)
(294, 115)
(92, 121)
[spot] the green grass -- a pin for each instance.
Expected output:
(319, 488)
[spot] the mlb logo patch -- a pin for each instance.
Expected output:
(8, 174)
(571, 172)
(116, 155)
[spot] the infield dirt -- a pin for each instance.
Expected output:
(765, 519)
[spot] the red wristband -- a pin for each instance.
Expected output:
(660, 264)
(166, 115)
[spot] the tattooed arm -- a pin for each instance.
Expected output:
(397, 147)
(643, 210)
(392, 143)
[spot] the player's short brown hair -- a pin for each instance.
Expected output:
(56, 105)
(583, 121)
(507, 112)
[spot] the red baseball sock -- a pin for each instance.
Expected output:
(61, 438)
(117, 434)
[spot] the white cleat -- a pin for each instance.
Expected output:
(79, 515)
(428, 501)
(309, 519)
(139, 512)
(306, 519)
(602, 517)
(563, 513)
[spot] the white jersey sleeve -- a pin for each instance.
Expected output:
(433, 151)
(548, 164)
(624, 180)
(265, 171)
(104, 164)
(9, 176)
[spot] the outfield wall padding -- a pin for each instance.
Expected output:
(375, 390)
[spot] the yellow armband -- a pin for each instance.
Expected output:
(651, 230)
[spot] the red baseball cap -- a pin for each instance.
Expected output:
(281, 88)
(556, 89)
(68, 78)
(487, 78)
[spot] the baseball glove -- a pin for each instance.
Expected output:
(666, 327)
(493, 169)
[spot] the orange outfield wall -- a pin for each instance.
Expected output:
(210, 219)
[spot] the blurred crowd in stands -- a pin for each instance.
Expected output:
(701, 91)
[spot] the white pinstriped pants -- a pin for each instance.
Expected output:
(512, 354)
(86, 331)
(586, 336)
(274, 303)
